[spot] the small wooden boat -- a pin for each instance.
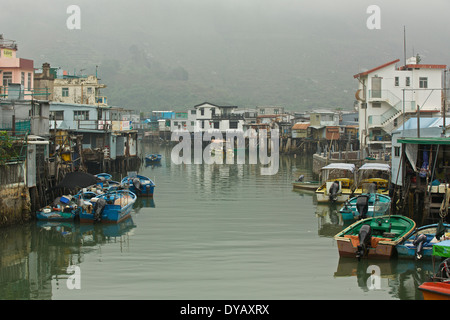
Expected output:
(152, 158)
(439, 287)
(337, 183)
(366, 205)
(306, 185)
(420, 243)
(110, 207)
(374, 238)
(64, 208)
(373, 174)
(138, 184)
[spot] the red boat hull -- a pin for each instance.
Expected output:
(435, 290)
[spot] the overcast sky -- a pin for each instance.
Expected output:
(262, 33)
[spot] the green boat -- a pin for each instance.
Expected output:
(375, 237)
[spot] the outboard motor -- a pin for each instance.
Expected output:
(333, 191)
(362, 205)
(365, 235)
(419, 242)
(137, 183)
(98, 209)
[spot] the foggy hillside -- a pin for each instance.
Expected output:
(175, 54)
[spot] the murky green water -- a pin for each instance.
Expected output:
(210, 232)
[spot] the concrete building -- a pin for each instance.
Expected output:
(65, 88)
(210, 116)
(388, 94)
(14, 70)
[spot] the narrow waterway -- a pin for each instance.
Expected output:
(210, 232)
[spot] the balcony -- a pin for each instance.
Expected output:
(228, 116)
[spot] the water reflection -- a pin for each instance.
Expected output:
(402, 277)
(329, 219)
(33, 254)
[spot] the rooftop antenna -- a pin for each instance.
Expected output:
(404, 44)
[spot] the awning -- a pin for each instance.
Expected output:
(435, 141)
(341, 166)
(375, 166)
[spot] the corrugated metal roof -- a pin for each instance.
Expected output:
(301, 126)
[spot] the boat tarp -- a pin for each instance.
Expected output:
(341, 166)
(375, 166)
(442, 249)
(78, 179)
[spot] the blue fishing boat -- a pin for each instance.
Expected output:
(153, 158)
(420, 244)
(366, 205)
(138, 184)
(110, 207)
(64, 208)
(104, 176)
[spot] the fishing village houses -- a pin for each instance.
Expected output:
(52, 123)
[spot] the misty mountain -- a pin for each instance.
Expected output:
(174, 54)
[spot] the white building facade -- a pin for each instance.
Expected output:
(388, 92)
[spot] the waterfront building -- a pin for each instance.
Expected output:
(387, 95)
(107, 132)
(63, 87)
(14, 70)
(217, 117)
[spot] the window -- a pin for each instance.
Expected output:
(22, 78)
(233, 124)
(423, 82)
(397, 81)
(397, 151)
(65, 92)
(202, 111)
(408, 81)
(7, 78)
(89, 90)
(56, 115)
(193, 111)
(216, 125)
(376, 104)
(81, 115)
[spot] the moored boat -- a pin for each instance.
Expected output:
(64, 208)
(373, 174)
(138, 184)
(374, 238)
(153, 158)
(420, 243)
(435, 290)
(439, 287)
(366, 205)
(306, 185)
(110, 207)
(337, 182)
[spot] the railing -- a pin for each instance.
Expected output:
(391, 114)
(20, 93)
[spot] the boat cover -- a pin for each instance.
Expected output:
(342, 166)
(375, 166)
(442, 249)
(78, 179)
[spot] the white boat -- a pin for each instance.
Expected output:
(373, 174)
(337, 182)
